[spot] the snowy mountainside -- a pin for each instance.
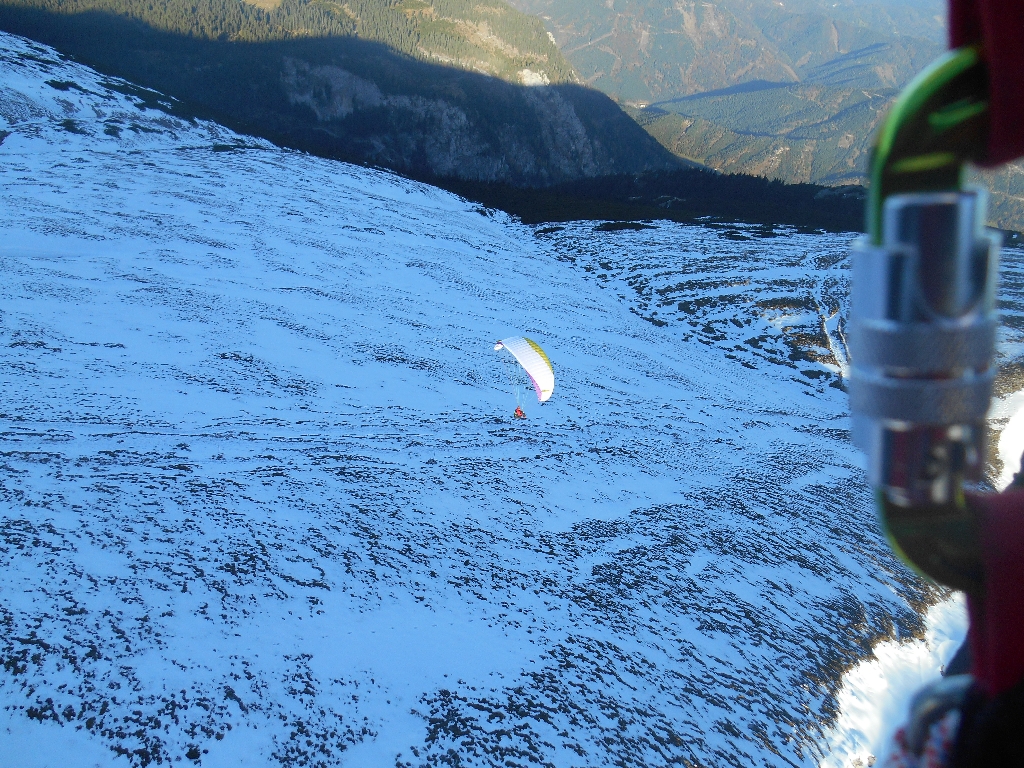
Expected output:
(772, 295)
(262, 501)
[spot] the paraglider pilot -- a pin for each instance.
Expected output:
(534, 362)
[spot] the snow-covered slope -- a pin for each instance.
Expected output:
(262, 501)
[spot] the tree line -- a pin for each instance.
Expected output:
(488, 36)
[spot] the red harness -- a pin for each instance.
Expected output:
(997, 618)
(998, 25)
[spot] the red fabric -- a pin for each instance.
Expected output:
(997, 618)
(998, 25)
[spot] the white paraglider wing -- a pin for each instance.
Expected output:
(534, 362)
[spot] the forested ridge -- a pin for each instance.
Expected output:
(486, 36)
(684, 195)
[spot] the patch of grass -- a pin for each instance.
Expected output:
(72, 126)
(618, 226)
(67, 85)
(547, 231)
(144, 98)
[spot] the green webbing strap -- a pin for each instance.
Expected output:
(936, 125)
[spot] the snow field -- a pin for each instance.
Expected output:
(262, 501)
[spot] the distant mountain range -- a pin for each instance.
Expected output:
(639, 51)
(791, 91)
(816, 128)
(448, 89)
(811, 131)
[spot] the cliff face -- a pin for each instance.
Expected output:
(433, 92)
(467, 127)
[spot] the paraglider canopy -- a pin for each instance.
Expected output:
(534, 362)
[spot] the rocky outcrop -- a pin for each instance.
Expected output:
(470, 127)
